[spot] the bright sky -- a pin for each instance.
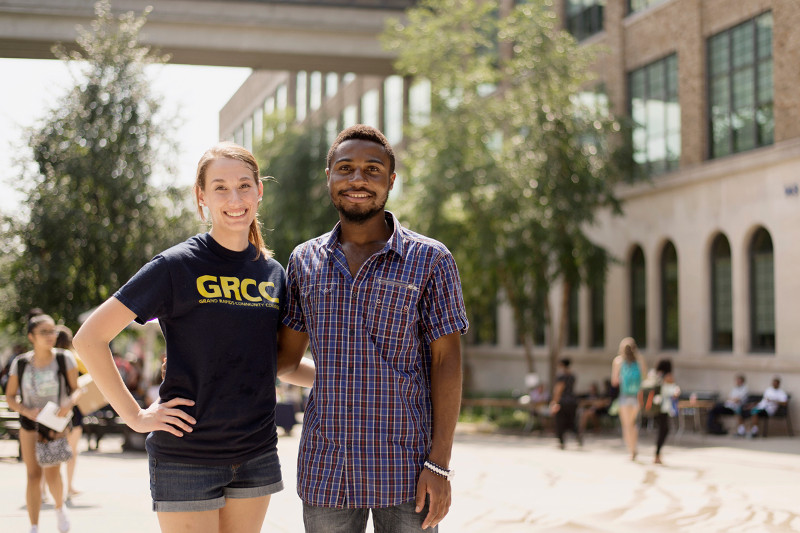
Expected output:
(31, 86)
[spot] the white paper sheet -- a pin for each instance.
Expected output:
(49, 417)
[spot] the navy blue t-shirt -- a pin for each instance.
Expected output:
(219, 311)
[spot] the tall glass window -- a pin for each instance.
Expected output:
(247, 134)
(573, 319)
(485, 321)
(281, 97)
(638, 298)
(419, 102)
(393, 109)
(258, 124)
(641, 5)
(656, 114)
(669, 297)
(331, 84)
(762, 293)
(314, 91)
(598, 316)
(741, 87)
(300, 105)
(349, 116)
(721, 295)
(584, 17)
(370, 104)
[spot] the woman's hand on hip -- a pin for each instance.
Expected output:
(165, 417)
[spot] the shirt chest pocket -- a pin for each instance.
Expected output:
(392, 308)
(320, 300)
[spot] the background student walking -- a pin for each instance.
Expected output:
(627, 371)
(39, 376)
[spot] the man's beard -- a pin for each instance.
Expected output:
(356, 215)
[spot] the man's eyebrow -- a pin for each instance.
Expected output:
(350, 160)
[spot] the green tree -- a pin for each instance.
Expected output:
(515, 161)
(94, 216)
(296, 205)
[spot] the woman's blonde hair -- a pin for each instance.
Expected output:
(229, 150)
(627, 349)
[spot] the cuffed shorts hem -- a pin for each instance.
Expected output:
(189, 506)
(183, 487)
(217, 503)
(254, 492)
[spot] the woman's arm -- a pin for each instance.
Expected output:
(71, 400)
(12, 388)
(92, 342)
(615, 365)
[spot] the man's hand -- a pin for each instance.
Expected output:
(437, 489)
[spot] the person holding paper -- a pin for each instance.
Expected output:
(45, 378)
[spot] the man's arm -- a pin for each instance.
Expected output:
(558, 390)
(446, 401)
(293, 368)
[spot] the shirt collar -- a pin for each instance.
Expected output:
(395, 240)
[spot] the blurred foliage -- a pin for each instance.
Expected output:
(94, 218)
(516, 158)
(296, 205)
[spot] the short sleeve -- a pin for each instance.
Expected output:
(149, 292)
(69, 360)
(442, 309)
(294, 317)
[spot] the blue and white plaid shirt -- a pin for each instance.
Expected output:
(368, 423)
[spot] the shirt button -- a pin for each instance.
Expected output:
(350, 409)
(352, 332)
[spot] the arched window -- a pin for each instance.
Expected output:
(762, 293)
(573, 318)
(598, 316)
(721, 295)
(669, 297)
(638, 298)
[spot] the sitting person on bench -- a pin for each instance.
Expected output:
(773, 397)
(731, 406)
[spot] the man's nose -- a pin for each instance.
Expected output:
(357, 175)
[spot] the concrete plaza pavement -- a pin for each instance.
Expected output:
(504, 484)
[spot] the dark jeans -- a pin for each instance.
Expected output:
(565, 420)
(398, 519)
(662, 421)
(718, 410)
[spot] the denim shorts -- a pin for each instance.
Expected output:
(632, 401)
(401, 518)
(181, 487)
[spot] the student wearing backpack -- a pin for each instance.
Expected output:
(45, 374)
(627, 371)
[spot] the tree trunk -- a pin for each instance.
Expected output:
(527, 342)
(558, 340)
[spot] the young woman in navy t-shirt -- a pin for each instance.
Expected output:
(219, 298)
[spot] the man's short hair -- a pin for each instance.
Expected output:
(366, 133)
(566, 362)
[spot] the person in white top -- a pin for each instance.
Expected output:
(772, 399)
(731, 406)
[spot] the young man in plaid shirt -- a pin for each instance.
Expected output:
(383, 311)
